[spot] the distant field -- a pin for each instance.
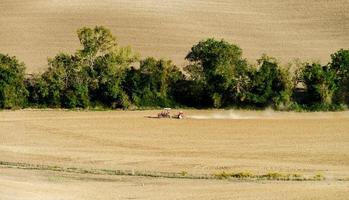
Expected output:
(36, 29)
(206, 142)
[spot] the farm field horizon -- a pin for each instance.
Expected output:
(206, 142)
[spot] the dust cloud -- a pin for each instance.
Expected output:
(266, 114)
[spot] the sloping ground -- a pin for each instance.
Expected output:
(36, 29)
(254, 142)
(58, 149)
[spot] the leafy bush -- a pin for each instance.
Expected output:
(154, 84)
(319, 82)
(340, 65)
(271, 85)
(242, 175)
(13, 93)
(318, 177)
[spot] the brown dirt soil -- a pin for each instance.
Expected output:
(36, 29)
(30, 185)
(207, 142)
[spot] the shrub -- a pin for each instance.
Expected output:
(12, 89)
(154, 84)
(318, 177)
(340, 65)
(242, 175)
(273, 176)
(319, 82)
(222, 175)
(271, 85)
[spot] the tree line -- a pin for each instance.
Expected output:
(104, 74)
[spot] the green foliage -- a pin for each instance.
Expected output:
(64, 84)
(242, 175)
(276, 176)
(101, 75)
(271, 84)
(12, 89)
(239, 175)
(319, 82)
(95, 42)
(242, 84)
(340, 65)
(183, 173)
(273, 176)
(94, 75)
(213, 64)
(71, 79)
(217, 100)
(222, 175)
(106, 64)
(108, 74)
(316, 107)
(191, 93)
(154, 83)
(38, 90)
(319, 177)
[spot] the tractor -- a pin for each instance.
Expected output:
(180, 115)
(165, 113)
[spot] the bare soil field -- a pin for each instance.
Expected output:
(36, 29)
(29, 185)
(206, 142)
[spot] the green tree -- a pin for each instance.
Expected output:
(68, 72)
(242, 84)
(106, 64)
(96, 42)
(64, 84)
(213, 64)
(12, 89)
(154, 83)
(109, 75)
(320, 83)
(340, 65)
(271, 86)
(38, 90)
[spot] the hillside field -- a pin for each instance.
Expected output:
(34, 30)
(206, 142)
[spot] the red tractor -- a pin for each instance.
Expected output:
(166, 114)
(180, 115)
